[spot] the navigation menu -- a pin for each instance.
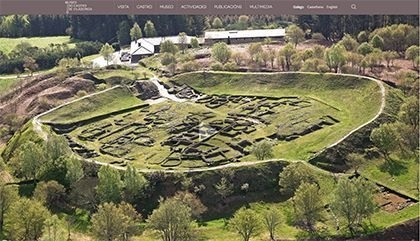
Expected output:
(272, 7)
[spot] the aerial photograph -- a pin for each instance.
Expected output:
(209, 127)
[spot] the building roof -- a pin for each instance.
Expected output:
(235, 34)
(146, 46)
(140, 47)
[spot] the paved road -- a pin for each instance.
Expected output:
(37, 126)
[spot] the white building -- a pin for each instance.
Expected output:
(148, 46)
(244, 36)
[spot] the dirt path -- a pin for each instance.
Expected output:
(38, 127)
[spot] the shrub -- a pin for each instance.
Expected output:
(216, 66)
(81, 93)
(190, 66)
(263, 150)
(230, 66)
(318, 36)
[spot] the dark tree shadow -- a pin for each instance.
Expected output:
(394, 167)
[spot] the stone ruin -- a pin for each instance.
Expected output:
(204, 138)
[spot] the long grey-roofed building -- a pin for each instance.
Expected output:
(243, 36)
(148, 46)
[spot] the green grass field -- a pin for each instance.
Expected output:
(8, 44)
(401, 175)
(7, 84)
(99, 104)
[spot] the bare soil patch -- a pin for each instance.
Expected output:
(392, 202)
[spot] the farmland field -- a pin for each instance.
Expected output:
(8, 44)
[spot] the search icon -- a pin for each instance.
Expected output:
(353, 6)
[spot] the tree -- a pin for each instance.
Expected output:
(335, 57)
(55, 230)
(8, 196)
(272, 54)
(354, 58)
(318, 51)
(30, 64)
(407, 127)
(110, 185)
(238, 57)
(167, 59)
(385, 138)
(355, 160)
(362, 37)
(172, 219)
(149, 29)
(354, 201)
(134, 184)
(293, 176)
(365, 48)
(67, 66)
(246, 222)
(192, 201)
(217, 23)
(30, 158)
(26, 220)
(221, 52)
(243, 22)
(287, 52)
(308, 206)
(254, 50)
(123, 33)
(168, 46)
(51, 194)
(295, 34)
(224, 188)
(194, 43)
(182, 38)
(74, 170)
(135, 32)
(377, 42)
(412, 53)
(349, 42)
(263, 150)
(106, 52)
(112, 222)
(408, 82)
(374, 58)
(55, 149)
(272, 220)
(409, 112)
(389, 57)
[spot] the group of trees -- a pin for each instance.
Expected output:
(334, 27)
(352, 203)
(25, 57)
(13, 26)
(125, 34)
(44, 161)
(172, 53)
(118, 220)
(350, 54)
(400, 136)
(113, 28)
(352, 198)
(52, 170)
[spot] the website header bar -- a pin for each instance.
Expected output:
(209, 7)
